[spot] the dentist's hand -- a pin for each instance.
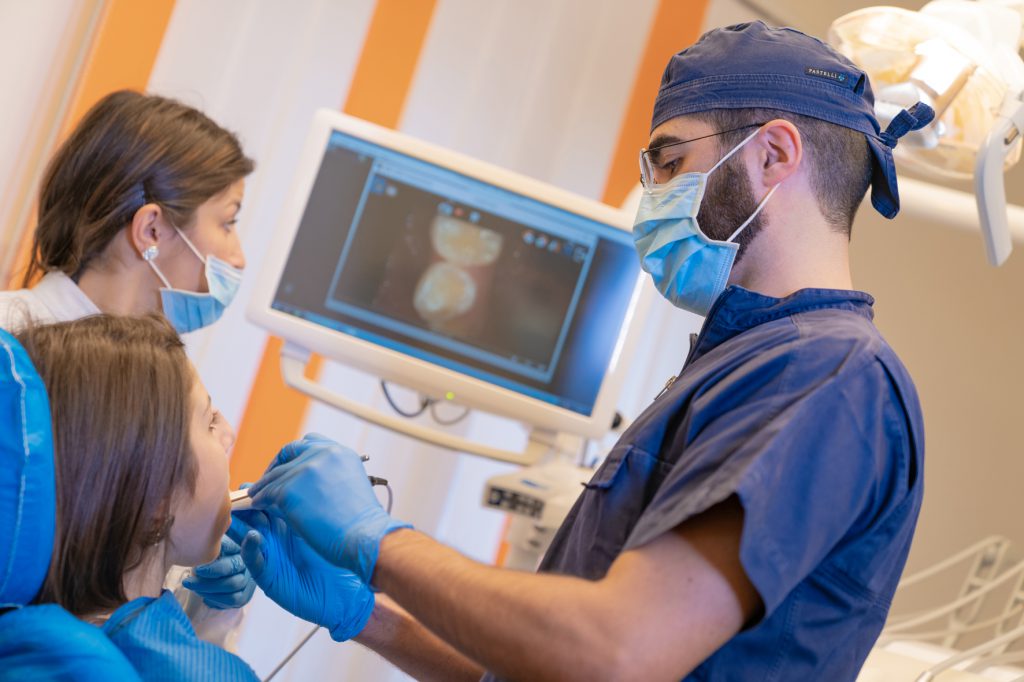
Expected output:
(322, 491)
(224, 583)
(300, 580)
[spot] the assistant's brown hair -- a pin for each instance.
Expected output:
(130, 149)
(119, 398)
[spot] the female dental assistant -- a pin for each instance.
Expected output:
(137, 214)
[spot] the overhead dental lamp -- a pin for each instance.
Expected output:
(962, 57)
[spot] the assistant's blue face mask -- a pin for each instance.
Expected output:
(688, 268)
(188, 311)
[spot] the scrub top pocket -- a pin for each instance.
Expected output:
(611, 504)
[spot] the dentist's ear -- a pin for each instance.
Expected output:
(779, 150)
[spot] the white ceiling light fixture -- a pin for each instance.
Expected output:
(962, 57)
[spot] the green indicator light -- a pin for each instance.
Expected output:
(449, 396)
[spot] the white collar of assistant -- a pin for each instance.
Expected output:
(63, 298)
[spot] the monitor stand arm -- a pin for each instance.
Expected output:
(294, 359)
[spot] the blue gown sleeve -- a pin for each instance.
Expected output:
(815, 457)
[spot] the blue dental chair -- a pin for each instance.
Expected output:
(37, 642)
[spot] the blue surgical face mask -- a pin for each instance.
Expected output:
(688, 268)
(188, 311)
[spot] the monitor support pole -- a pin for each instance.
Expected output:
(294, 359)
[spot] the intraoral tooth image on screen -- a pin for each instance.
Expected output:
(463, 253)
(452, 270)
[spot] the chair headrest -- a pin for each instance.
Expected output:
(27, 488)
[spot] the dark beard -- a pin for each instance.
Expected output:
(728, 201)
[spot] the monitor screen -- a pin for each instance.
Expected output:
(461, 273)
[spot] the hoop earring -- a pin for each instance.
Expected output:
(150, 253)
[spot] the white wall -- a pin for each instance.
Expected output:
(34, 52)
(32, 62)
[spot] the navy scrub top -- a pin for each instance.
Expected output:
(799, 408)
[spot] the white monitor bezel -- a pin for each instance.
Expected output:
(415, 373)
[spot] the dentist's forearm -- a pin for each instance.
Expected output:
(407, 644)
(521, 626)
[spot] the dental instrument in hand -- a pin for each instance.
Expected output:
(241, 501)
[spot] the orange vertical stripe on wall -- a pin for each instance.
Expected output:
(677, 25)
(388, 61)
(275, 413)
(123, 52)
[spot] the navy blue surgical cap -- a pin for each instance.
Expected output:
(756, 66)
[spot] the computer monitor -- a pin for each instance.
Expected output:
(453, 277)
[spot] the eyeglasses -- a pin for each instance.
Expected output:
(650, 166)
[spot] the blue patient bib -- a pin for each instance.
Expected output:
(155, 636)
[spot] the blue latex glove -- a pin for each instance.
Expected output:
(225, 582)
(322, 491)
(300, 580)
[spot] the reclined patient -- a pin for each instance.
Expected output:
(141, 482)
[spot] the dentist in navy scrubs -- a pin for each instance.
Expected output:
(753, 522)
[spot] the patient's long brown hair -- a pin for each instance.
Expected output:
(119, 396)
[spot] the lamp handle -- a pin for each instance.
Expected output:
(989, 189)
